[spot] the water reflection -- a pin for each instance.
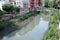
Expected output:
(32, 29)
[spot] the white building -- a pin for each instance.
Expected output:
(1, 3)
(21, 3)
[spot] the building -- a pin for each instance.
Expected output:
(14, 2)
(1, 3)
(33, 4)
(23, 3)
(19, 3)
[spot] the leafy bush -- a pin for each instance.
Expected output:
(5, 23)
(17, 8)
(8, 7)
(46, 5)
(51, 33)
(1, 12)
(51, 4)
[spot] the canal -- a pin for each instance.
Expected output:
(32, 28)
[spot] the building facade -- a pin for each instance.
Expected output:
(1, 3)
(14, 2)
(33, 4)
(23, 3)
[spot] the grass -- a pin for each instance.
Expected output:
(44, 12)
(51, 33)
(5, 23)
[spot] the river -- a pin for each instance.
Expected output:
(32, 28)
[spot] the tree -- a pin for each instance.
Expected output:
(46, 3)
(8, 8)
(51, 4)
(17, 8)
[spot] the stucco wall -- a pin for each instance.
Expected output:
(19, 3)
(1, 3)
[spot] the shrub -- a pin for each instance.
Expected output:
(8, 7)
(46, 5)
(1, 13)
(16, 8)
(5, 23)
(51, 33)
(51, 4)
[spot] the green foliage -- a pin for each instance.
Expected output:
(51, 4)
(8, 7)
(51, 33)
(17, 19)
(46, 3)
(56, 13)
(5, 23)
(1, 12)
(17, 8)
(44, 12)
(26, 16)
